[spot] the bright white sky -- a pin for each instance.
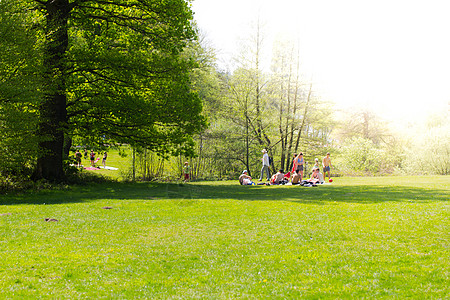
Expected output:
(392, 56)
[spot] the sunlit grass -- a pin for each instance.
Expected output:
(356, 238)
(122, 164)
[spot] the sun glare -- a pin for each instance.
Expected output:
(389, 56)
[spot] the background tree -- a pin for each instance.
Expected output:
(428, 147)
(361, 122)
(369, 146)
(303, 120)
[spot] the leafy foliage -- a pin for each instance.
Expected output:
(128, 79)
(360, 155)
(19, 87)
(96, 71)
(429, 151)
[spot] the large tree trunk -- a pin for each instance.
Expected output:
(53, 110)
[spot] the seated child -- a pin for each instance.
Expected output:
(245, 179)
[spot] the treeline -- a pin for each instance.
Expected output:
(136, 73)
(250, 109)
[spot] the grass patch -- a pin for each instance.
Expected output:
(356, 238)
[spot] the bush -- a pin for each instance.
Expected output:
(429, 153)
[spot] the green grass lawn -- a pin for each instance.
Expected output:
(113, 160)
(355, 238)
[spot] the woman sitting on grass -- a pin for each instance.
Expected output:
(295, 178)
(315, 178)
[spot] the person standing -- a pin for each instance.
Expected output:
(265, 165)
(186, 171)
(326, 162)
(78, 158)
(92, 157)
(298, 164)
(105, 155)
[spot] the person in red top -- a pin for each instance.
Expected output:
(277, 178)
(92, 157)
(186, 171)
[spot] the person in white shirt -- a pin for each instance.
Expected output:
(245, 179)
(265, 165)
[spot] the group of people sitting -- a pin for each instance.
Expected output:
(281, 178)
(285, 178)
(295, 176)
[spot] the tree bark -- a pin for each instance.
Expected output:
(53, 109)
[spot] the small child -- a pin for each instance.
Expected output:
(316, 164)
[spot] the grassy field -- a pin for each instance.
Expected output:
(375, 238)
(113, 160)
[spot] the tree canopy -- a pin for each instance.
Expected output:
(111, 71)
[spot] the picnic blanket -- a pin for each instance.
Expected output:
(109, 168)
(101, 167)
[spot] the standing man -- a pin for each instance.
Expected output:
(265, 165)
(78, 158)
(326, 162)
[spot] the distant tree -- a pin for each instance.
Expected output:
(363, 123)
(248, 84)
(369, 146)
(428, 149)
(359, 156)
(302, 119)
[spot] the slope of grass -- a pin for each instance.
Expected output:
(356, 238)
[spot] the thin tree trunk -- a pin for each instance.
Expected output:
(305, 113)
(289, 161)
(280, 118)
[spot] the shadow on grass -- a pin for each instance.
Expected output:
(160, 191)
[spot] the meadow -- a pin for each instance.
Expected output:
(373, 238)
